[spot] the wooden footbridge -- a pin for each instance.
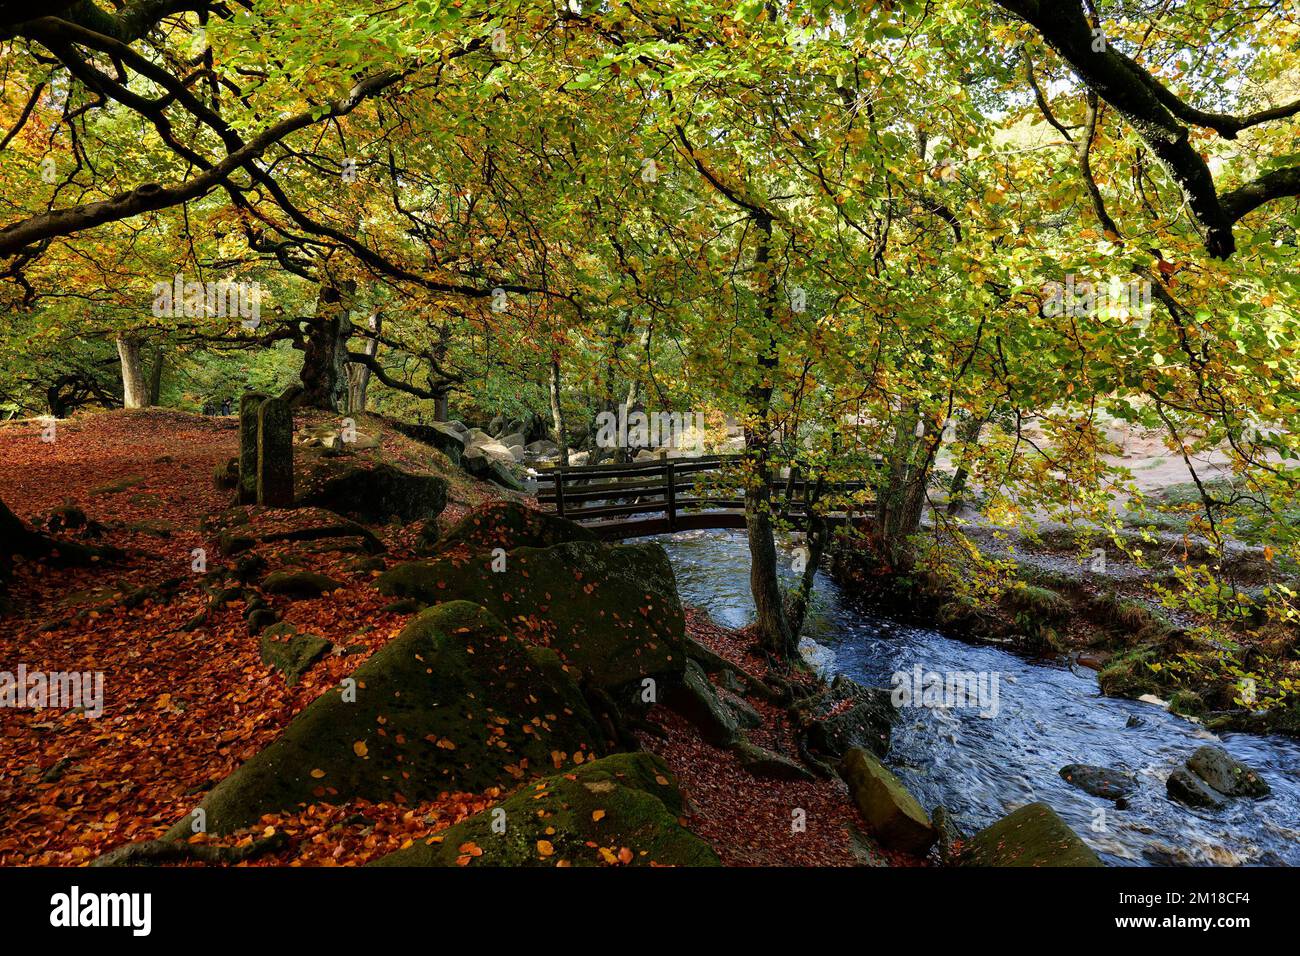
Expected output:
(665, 495)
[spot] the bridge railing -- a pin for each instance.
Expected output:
(668, 493)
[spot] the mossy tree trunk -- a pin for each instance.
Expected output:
(325, 349)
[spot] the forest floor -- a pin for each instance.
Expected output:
(187, 697)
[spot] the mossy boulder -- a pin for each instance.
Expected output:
(762, 762)
(1226, 774)
(299, 584)
(696, 699)
(454, 702)
(291, 651)
(620, 810)
(1034, 835)
(896, 819)
(381, 492)
(611, 611)
(225, 475)
(508, 524)
(440, 435)
(848, 715)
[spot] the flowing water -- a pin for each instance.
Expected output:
(981, 767)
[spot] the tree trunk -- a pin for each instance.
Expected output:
(155, 377)
(325, 353)
(557, 412)
(359, 374)
(816, 539)
(764, 583)
(902, 499)
(968, 433)
(441, 412)
(135, 388)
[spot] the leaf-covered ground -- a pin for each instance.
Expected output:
(185, 704)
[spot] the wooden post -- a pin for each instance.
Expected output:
(559, 490)
(670, 475)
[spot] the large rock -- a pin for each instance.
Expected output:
(611, 611)
(496, 451)
(896, 819)
(509, 524)
(696, 700)
(1190, 790)
(452, 703)
(1226, 774)
(274, 454)
(848, 715)
(1099, 781)
(544, 448)
(1032, 836)
(444, 436)
(762, 762)
(382, 492)
(486, 468)
(299, 584)
(620, 810)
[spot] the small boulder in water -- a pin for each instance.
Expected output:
(1099, 781)
(1226, 774)
(1187, 788)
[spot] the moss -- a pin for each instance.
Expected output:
(612, 612)
(116, 487)
(1186, 702)
(896, 819)
(1132, 621)
(1034, 835)
(1128, 674)
(452, 703)
(299, 583)
(291, 651)
(1040, 605)
(622, 809)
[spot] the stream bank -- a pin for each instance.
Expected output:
(1050, 715)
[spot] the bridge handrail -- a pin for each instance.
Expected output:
(660, 479)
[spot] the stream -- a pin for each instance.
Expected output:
(1047, 716)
